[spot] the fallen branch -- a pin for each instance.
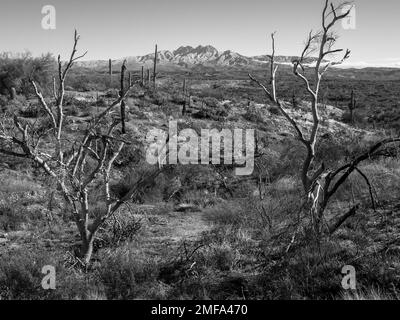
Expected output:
(343, 219)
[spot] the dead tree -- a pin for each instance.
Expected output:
(272, 74)
(80, 170)
(274, 69)
(121, 93)
(313, 176)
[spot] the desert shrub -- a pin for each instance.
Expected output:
(32, 111)
(274, 110)
(279, 205)
(16, 185)
(357, 118)
(212, 114)
(306, 274)
(201, 198)
(331, 150)
(14, 106)
(127, 275)
(87, 80)
(219, 256)
(368, 294)
(130, 155)
(20, 274)
(124, 227)
(170, 109)
(253, 115)
(10, 218)
(3, 100)
(211, 93)
(72, 110)
(43, 125)
(159, 98)
(284, 160)
(131, 178)
(226, 213)
(384, 177)
(162, 209)
(17, 70)
(211, 102)
(177, 98)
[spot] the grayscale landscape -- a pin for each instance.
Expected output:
(79, 195)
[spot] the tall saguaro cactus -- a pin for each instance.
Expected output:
(110, 71)
(352, 105)
(129, 79)
(184, 97)
(148, 77)
(155, 68)
(142, 78)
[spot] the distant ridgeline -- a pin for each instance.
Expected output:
(187, 56)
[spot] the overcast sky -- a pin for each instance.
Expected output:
(119, 28)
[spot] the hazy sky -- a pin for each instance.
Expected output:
(119, 28)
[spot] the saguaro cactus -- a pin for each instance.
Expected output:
(148, 77)
(155, 68)
(352, 105)
(13, 93)
(184, 97)
(142, 79)
(110, 71)
(129, 79)
(294, 100)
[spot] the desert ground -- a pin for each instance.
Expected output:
(199, 231)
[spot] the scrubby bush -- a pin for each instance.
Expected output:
(211, 102)
(10, 218)
(159, 97)
(32, 111)
(17, 70)
(274, 110)
(253, 115)
(126, 275)
(20, 275)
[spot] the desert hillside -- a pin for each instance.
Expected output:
(199, 231)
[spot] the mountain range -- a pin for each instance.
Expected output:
(208, 57)
(188, 57)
